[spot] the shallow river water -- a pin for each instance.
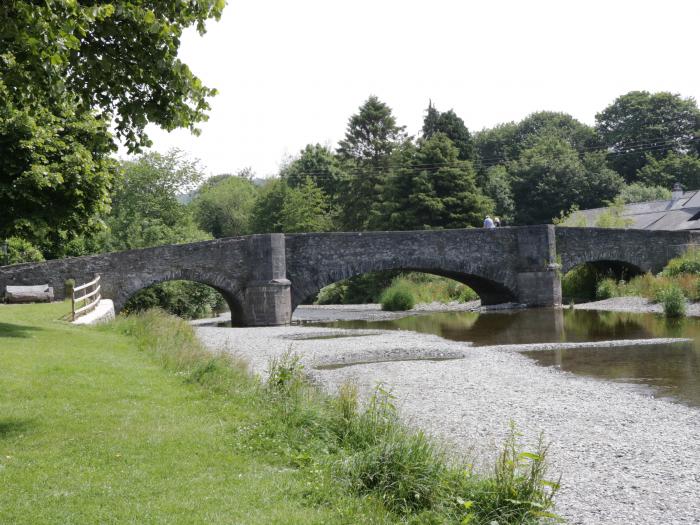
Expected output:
(671, 370)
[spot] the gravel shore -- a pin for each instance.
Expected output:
(633, 304)
(624, 456)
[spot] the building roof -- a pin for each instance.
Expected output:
(679, 213)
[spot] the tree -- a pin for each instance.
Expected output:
(317, 163)
(146, 207)
(506, 142)
(642, 125)
(118, 57)
(675, 167)
(55, 172)
(223, 205)
(69, 68)
(452, 126)
(283, 209)
(637, 192)
(371, 137)
(496, 185)
(550, 178)
(436, 190)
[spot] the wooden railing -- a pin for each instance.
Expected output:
(90, 298)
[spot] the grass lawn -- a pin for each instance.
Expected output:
(92, 430)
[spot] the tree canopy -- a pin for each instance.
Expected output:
(642, 125)
(68, 70)
(452, 126)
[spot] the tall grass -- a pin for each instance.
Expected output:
(365, 450)
(398, 297)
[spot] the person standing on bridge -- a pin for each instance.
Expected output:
(488, 223)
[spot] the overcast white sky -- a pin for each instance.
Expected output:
(292, 73)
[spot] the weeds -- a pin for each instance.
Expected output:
(365, 451)
(397, 297)
(672, 300)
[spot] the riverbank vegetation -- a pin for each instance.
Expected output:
(376, 286)
(677, 283)
(138, 419)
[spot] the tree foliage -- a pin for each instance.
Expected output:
(146, 207)
(550, 178)
(319, 164)
(640, 126)
(69, 69)
(453, 127)
(637, 192)
(54, 172)
(281, 208)
(435, 190)
(371, 137)
(675, 167)
(119, 57)
(223, 205)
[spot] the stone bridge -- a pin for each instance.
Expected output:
(263, 278)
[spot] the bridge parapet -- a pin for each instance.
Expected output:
(264, 277)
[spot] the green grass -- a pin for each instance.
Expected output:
(94, 431)
(136, 422)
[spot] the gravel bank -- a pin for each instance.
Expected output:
(633, 304)
(624, 457)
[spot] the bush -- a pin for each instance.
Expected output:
(580, 283)
(689, 262)
(398, 297)
(606, 289)
(21, 251)
(185, 299)
(332, 294)
(673, 301)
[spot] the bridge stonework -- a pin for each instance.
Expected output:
(263, 278)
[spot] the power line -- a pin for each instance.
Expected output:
(487, 162)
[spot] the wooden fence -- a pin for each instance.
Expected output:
(90, 298)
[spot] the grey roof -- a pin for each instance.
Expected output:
(673, 214)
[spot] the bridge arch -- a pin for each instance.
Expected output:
(214, 280)
(490, 291)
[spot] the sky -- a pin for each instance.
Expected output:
(292, 73)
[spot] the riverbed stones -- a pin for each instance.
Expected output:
(624, 456)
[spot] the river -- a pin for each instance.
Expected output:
(670, 370)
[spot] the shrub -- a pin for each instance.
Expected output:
(397, 297)
(332, 294)
(689, 262)
(580, 283)
(606, 289)
(672, 300)
(21, 251)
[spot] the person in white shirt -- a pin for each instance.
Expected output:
(488, 223)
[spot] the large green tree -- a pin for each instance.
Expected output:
(451, 125)
(371, 137)
(550, 177)
(223, 205)
(640, 125)
(319, 164)
(506, 142)
(281, 208)
(147, 207)
(435, 190)
(69, 69)
(119, 58)
(675, 167)
(55, 172)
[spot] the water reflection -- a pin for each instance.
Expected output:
(672, 370)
